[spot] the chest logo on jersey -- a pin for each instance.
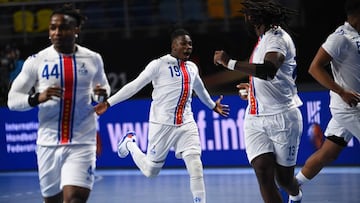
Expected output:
(82, 70)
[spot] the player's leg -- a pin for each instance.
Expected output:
(187, 147)
(49, 172)
(328, 152)
(147, 167)
(336, 140)
(75, 194)
(260, 153)
(264, 167)
(54, 199)
(78, 172)
(195, 169)
(286, 146)
(285, 178)
(158, 147)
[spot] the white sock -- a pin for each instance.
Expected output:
(137, 155)
(147, 167)
(197, 186)
(297, 197)
(300, 177)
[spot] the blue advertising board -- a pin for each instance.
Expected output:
(222, 139)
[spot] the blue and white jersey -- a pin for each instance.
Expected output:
(173, 83)
(268, 97)
(70, 119)
(343, 46)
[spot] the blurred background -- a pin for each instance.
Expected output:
(130, 33)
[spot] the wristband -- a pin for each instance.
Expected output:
(34, 99)
(231, 64)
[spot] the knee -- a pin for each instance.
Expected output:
(152, 169)
(264, 167)
(194, 166)
(75, 194)
(152, 172)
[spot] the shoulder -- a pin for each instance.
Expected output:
(42, 54)
(85, 51)
(339, 36)
(279, 34)
(191, 64)
(166, 60)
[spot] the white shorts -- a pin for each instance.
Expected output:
(279, 134)
(345, 124)
(65, 165)
(184, 139)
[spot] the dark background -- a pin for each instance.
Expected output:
(125, 55)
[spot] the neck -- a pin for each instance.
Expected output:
(66, 50)
(354, 21)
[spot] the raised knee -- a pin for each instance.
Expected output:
(152, 169)
(151, 173)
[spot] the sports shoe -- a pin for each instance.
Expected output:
(122, 148)
(297, 201)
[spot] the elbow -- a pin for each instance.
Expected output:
(11, 105)
(266, 71)
(14, 104)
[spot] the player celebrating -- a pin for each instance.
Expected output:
(65, 76)
(172, 124)
(273, 122)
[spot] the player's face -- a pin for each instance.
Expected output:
(182, 47)
(62, 30)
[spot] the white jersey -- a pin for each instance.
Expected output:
(268, 97)
(344, 47)
(70, 119)
(173, 81)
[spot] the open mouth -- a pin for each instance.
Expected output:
(187, 53)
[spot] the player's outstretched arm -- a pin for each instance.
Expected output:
(221, 109)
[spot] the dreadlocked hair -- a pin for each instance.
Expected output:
(267, 12)
(352, 7)
(70, 10)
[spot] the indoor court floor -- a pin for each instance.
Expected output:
(229, 185)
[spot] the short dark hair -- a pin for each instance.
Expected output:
(352, 7)
(69, 9)
(178, 32)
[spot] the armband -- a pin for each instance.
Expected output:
(34, 99)
(265, 71)
(101, 98)
(231, 64)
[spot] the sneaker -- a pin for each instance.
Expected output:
(122, 148)
(297, 201)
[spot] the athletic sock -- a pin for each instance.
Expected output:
(300, 177)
